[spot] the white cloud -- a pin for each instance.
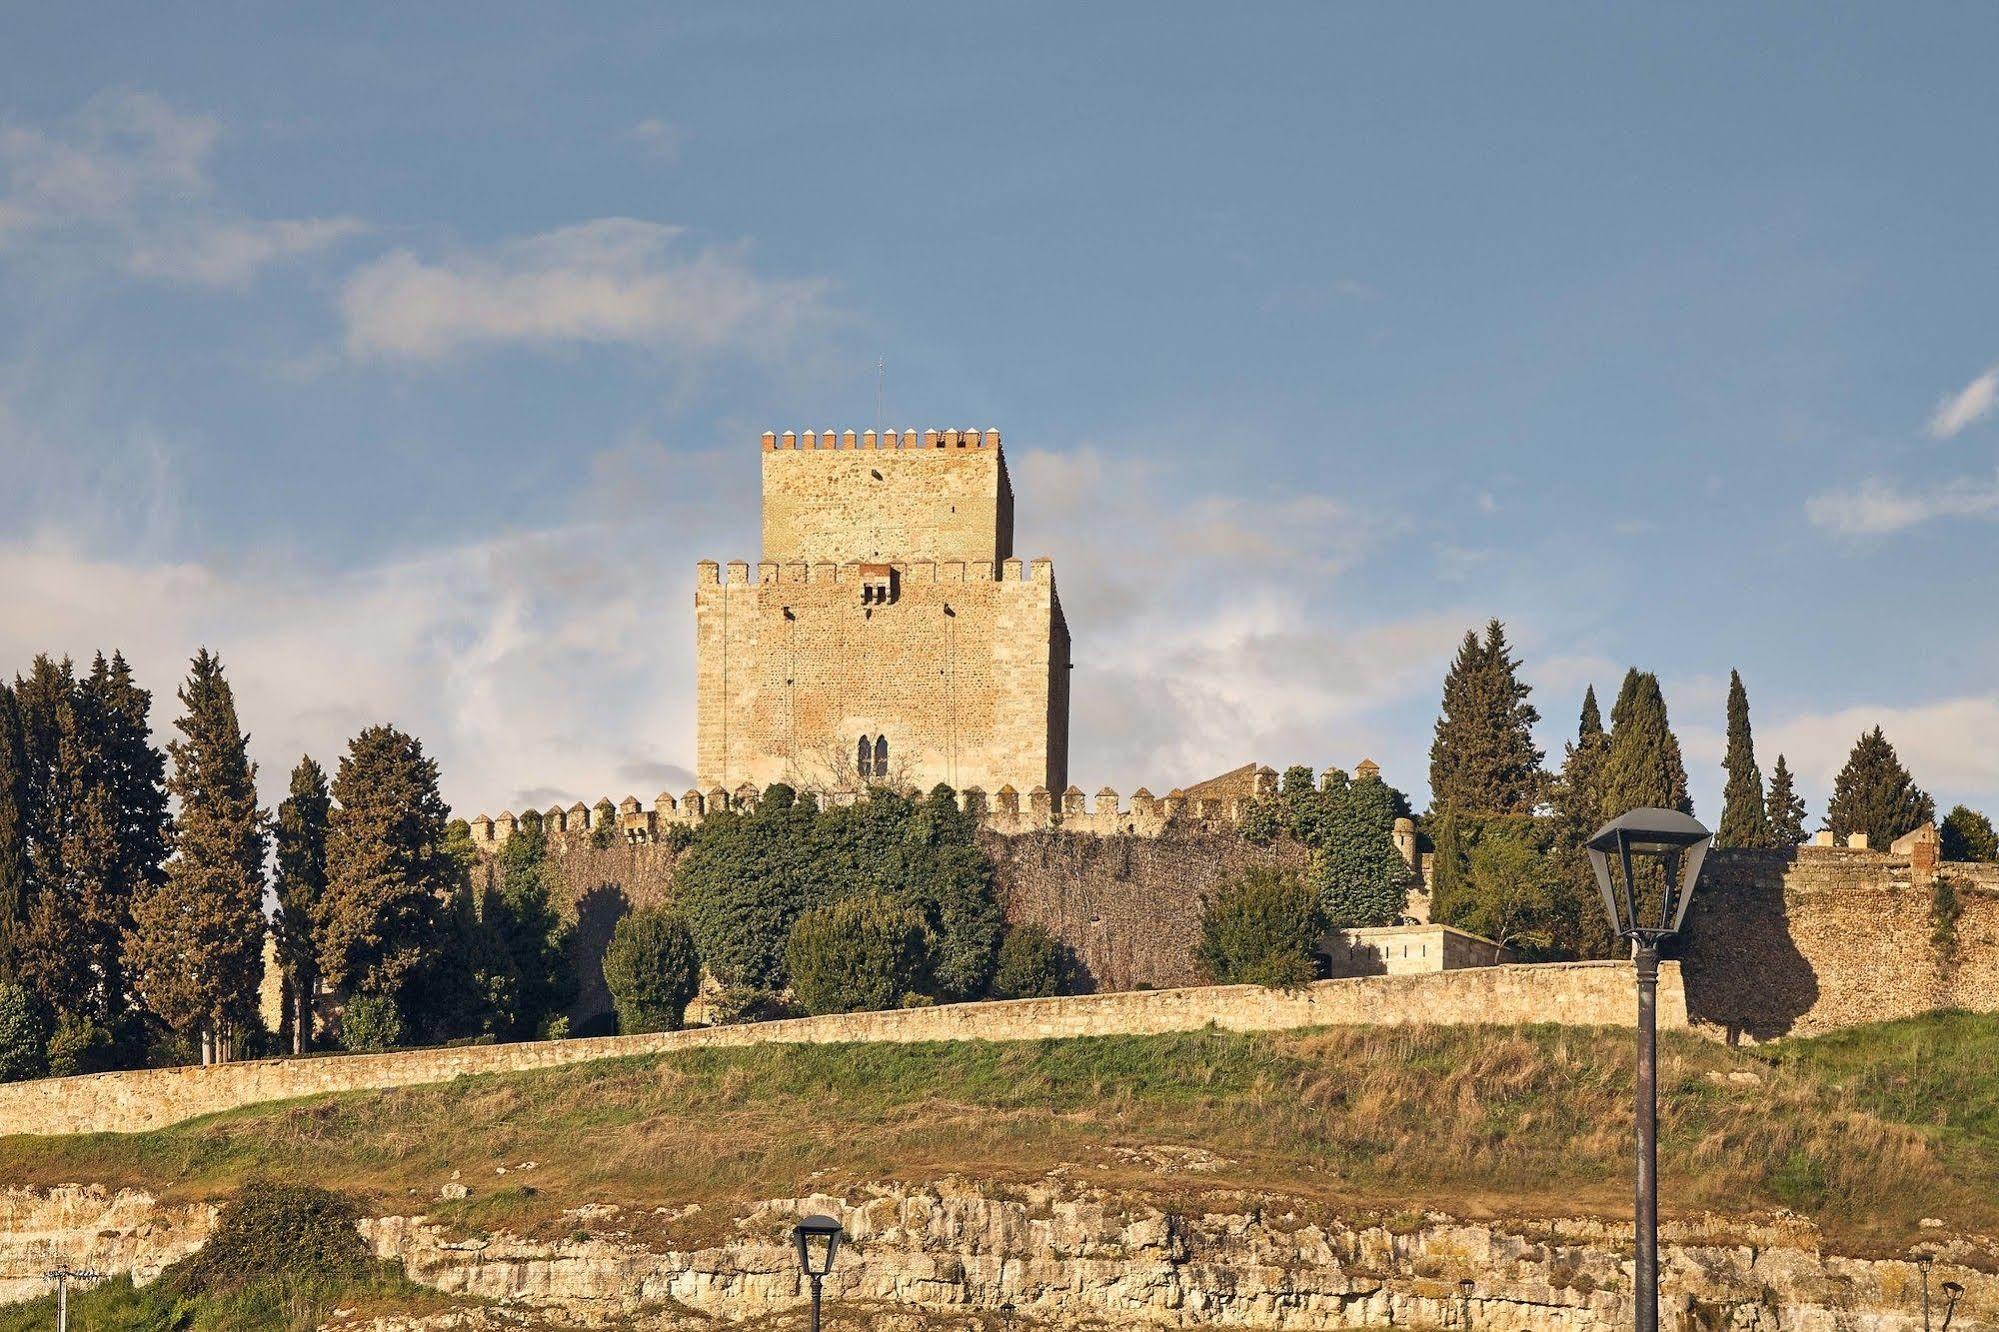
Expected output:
(1950, 746)
(661, 140)
(1966, 407)
(1876, 507)
(613, 280)
(129, 174)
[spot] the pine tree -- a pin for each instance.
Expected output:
(1576, 924)
(1483, 758)
(299, 843)
(1968, 836)
(195, 951)
(1642, 768)
(13, 831)
(388, 878)
(1745, 816)
(1874, 794)
(1786, 807)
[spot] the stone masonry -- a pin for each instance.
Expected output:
(888, 634)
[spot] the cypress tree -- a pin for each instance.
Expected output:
(299, 845)
(13, 830)
(1483, 758)
(1745, 816)
(1576, 924)
(1786, 807)
(1874, 794)
(195, 951)
(1643, 767)
(387, 875)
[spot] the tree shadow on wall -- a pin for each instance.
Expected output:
(1741, 965)
(598, 912)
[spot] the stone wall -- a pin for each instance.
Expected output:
(1808, 940)
(1587, 993)
(1126, 907)
(832, 497)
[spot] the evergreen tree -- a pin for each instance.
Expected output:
(1786, 807)
(529, 933)
(99, 832)
(1874, 794)
(1642, 768)
(652, 971)
(388, 878)
(13, 830)
(195, 950)
(1483, 758)
(1968, 835)
(299, 843)
(1576, 925)
(1745, 815)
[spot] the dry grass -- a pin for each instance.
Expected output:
(1867, 1132)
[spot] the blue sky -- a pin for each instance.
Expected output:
(410, 356)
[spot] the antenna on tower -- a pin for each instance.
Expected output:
(881, 382)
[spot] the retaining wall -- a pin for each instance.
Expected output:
(1581, 993)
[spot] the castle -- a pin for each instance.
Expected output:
(888, 634)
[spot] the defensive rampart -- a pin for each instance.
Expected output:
(1586, 993)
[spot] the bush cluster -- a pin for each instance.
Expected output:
(1262, 929)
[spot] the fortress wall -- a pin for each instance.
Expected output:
(1582, 993)
(1809, 940)
(1127, 908)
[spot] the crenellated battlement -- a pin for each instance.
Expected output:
(1007, 811)
(714, 573)
(886, 439)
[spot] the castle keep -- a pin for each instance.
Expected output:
(888, 633)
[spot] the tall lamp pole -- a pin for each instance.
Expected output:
(1648, 913)
(818, 1242)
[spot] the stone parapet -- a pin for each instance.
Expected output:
(1581, 993)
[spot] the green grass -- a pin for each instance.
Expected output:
(1867, 1131)
(273, 1306)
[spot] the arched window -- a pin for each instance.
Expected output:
(881, 756)
(864, 759)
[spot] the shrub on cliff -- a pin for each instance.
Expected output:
(1261, 929)
(860, 954)
(1029, 965)
(270, 1230)
(652, 970)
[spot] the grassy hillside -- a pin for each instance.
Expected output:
(1866, 1131)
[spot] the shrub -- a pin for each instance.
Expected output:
(24, 1034)
(652, 970)
(371, 1022)
(80, 1046)
(269, 1230)
(1029, 966)
(861, 954)
(739, 1004)
(1261, 929)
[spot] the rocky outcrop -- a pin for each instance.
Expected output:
(1061, 1256)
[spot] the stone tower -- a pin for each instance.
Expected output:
(888, 632)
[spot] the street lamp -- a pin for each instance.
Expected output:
(1954, 1292)
(1678, 844)
(1464, 1302)
(818, 1241)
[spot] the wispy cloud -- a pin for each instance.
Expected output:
(1876, 507)
(613, 280)
(129, 175)
(1966, 407)
(661, 140)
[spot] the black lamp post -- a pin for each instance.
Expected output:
(1464, 1301)
(818, 1241)
(1954, 1292)
(1678, 844)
